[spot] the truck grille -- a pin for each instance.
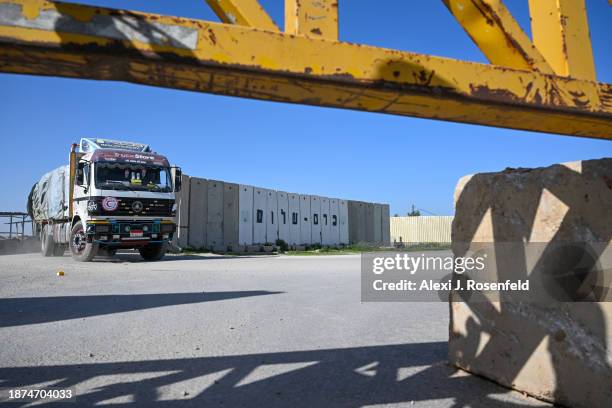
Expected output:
(141, 207)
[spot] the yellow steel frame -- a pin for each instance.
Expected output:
(252, 59)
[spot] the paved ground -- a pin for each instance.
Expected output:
(217, 331)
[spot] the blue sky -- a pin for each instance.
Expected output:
(355, 155)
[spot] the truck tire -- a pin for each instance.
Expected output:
(153, 252)
(80, 249)
(47, 246)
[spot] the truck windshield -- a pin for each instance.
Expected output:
(127, 176)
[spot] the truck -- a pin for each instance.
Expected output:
(112, 195)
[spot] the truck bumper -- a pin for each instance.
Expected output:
(129, 233)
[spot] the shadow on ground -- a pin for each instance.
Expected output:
(34, 310)
(131, 257)
(332, 378)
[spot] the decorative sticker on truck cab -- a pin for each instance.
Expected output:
(129, 157)
(110, 203)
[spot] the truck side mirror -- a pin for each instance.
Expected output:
(80, 174)
(178, 175)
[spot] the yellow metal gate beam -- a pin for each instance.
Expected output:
(243, 12)
(48, 38)
(312, 18)
(497, 34)
(561, 31)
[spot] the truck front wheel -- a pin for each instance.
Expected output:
(153, 252)
(80, 249)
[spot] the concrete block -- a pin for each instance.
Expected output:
(260, 215)
(214, 226)
(369, 223)
(343, 216)
(377, 224)
(325, 222)
(231, 216)
(182, 215)
(272, 217)
(198, 206)
(245, 209)
(357, 215)
(305, 220)
(315, 217)
(284, 216)
(334, 212)
(386, 225)
(294, 217)
(561, 352)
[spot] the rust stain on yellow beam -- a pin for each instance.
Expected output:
(243, 12)
(561, 33)
(241, 61)
(312, 18)
(497, 34)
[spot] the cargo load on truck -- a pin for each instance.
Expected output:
(49, 197)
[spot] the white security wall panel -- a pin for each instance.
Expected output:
(198, 205)
(334, 221)
(272, 216)
(377, 224)
(231, 218)
(294, 219)
(284, 216)
(259, 215)
(182, 215)
(344, 224)
(245, 210)
(315, 218)
(214, 227)
(386, 228)
(305, 221)
(325, 222)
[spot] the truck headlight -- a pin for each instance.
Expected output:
(173, 211)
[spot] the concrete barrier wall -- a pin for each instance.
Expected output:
(315, 217)
(259, 215)
(182, 214)
(377, 224)
(325, 222)
(223, 216)
(344, 221)
(369, 223)
(272, 217)
(557, 351)
(436, 229)
(272, 214)
(294, 219)
(334, 221)
(231, 216)
(385, 223)
(305, 220)
(214, 226)
(284, 217)
(355, 223)
(245, 210)
(198, 212)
